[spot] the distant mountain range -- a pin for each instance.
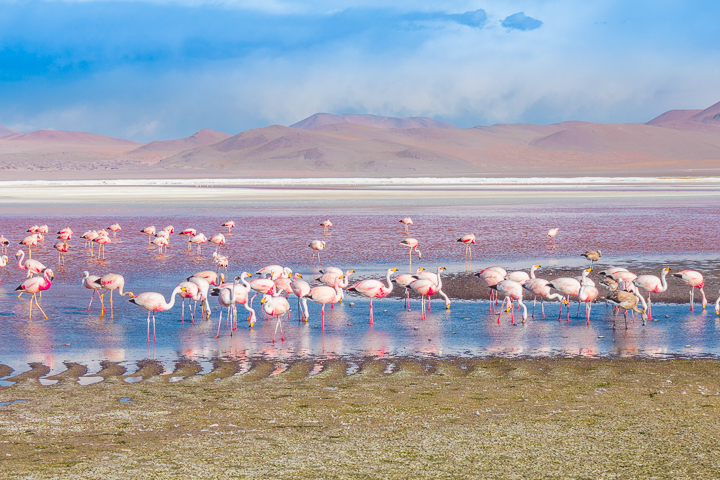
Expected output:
(676, 143)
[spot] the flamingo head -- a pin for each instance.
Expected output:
(393, 269)
(49, 273)
(443, 268)
(19, 253)
(588, 270)
(222, 278)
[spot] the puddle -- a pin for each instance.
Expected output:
(89, 380)
(244, 368)
(132, 379)
(331, 388)
(316, 369)
(5, 404)
(352, 369)
(175, 379)
(126, 400)
(389, 369)
(280, 369)
(46, 382)
(5, 383)
(206, 367)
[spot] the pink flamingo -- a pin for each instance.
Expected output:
(317, 245)
(326, 224)
(198, 240)
(4, 244)
(522, 277)
(587, 295)
(551, 234)
(511, 290)
(191, 292)
(421, 274)
(203, 292)
(102, 240)
(229, 225)
(652, 284)
(154, 302)
(90, 282)
(115, 227)
(34, 285)
(212, 277)
(407, 221)
(276, 306)
(33, 267)
(412, 244)
(64, 236)
(89, 236)
(111, 282)
(300, 288)
(150, 232)
(241, 297)
(425, 288)
(539, 287)
(161, 243)
(404, 281)
(67, 231)
(569, 287)
(468, 240)
(324, 295)
(30, 241)
(221, 261)
(226, 299)
(62, 248)
(695, 280)
(492, 276)
(189, 232)
(3, 260)
(218, 240)
(33, 229)
(276, 271)
(374, 289)
(612, 270)
(169, 229)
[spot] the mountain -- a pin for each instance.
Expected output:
(61, 137)
(203, 137)
(322, 119)
(5, 132)
(707, 120)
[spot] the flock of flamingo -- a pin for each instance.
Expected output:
(276, 283)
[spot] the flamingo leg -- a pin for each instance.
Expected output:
(588, 308)
(183, 311)
(38, 305)
(112, 312)
(692, 297)
(154, 326)
(512, 311)
(148, 327)
(219, 323)
(91, 299)
(561, 306)
(31, 299)
(371, 312)
(282, 335)
(322, 325)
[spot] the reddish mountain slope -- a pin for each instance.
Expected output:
(199, 139)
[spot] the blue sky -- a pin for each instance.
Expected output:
(149, 70)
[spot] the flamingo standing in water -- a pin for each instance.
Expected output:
(202, 296)
(374, 289)
(301, 289)
(317, 245)
(111, 282)
(226, 299)
(115, 227)
(492, 276)
(4, 244)
(3, 260)
(652, 284)
(276, 306)
(34, 285)
(221, 261)
(511, 290)
(412, 244)
(212, 277)
(407, 221)
(626, 301)
(33, 267)
(551, 234)
(191, 292)
(404, 281)
(587, 295)
(218, 240)
(62, 248)
(161, 243)
(426, 288)
(539, 287)
(468, 240)
(90, 282)
(569, 287)
(198, 240)
(30, 241)
(229, 225)
(326, 224)
(421, 273)
(102, 240)
(324, 295)
(154, 302)
(695, 280)
(150, 232)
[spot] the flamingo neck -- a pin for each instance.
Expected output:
(346, 281)
(245, 283)
(532, 271)
(20, 260)
(439, 285)
(389, 283)
(173, 296)
(663, 281)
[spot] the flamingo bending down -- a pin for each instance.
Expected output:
(33, 267)
(161, 243)
(317, 245)
(592, 255)
(407, 221)
(492, 276)
(426, 288)
(404, 281)
(539, 287)
(111, 282)
(301, 289)
(569, 287)
(276, 306)
(511, 290)
(468, 240)
(89, 282)
(324, 295)
(221, 261)
(218, 240)
(212, 277)
(326, 224)
(626, 301)
(115, 227)
(102, 241)
(229, 225)
(374, 289)
(154, 302)
(652, 284)
(150, 232)
(191, 291)
(62, 248)
(202, 296)
(421, 273)
(198, 240)
(695, 280)
(34, 285)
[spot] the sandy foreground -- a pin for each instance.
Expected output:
(393, 418)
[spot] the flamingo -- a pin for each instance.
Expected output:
(89, 282)
(652, 284)
(283, 285)
(412, 244)
(163, 234)
(324, 295)
(468, 240)
(169, 229)
(241, 296)
(111, 282)
(4, 244)
(189, 232)
(407, 221)
(202, 296)
(191, 291)
(33, 267)
(539, 287)
(226, 298)
(150, 232)
(426, 288)
(102, 240)
(695, 280)
(587, 295)
(198, 240)
(492, 276)
(335, 270)
(3, 260)
(584, 280)
(592, 255)
(301, 289)
(221, 261)
(275, 271)
(229, 225)
(626, 301)
(43, 229)
(154, 302)
(404, 281)
(374, 289)
(276, 306)
(212, 277)
(522, 277)
(317, 245)
(511, 290)
(115, 227)
(30, 241)
(326, 224)
(551, 233)
(62, 248)
(64, 236)
(218, 240)
(421, 274)
(89, 236)
(33, 229)
(34, 285)
(569, 287)
(67, 231)
(612, 271)
(161, 242)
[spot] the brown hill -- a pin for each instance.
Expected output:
(203, 137)
(322, 119)
(707, 120)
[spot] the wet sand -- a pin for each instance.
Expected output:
(428, 418)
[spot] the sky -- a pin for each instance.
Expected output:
(161, 69)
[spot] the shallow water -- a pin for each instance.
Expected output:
(638, 235)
